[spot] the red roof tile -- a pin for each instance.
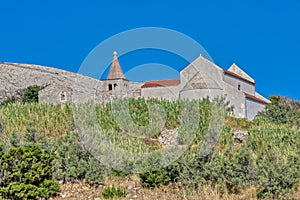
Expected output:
(237, 76)
(249, 96)
(161, 83)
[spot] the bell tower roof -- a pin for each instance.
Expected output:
(115, 71)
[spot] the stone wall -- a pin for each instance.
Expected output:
(201, 94)
(236, 99)
(203, 66)
(253, 107)
(245, 86)
(63, 86)
(167, 92)
(56, 94)
(14, 77)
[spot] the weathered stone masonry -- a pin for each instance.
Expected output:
(200, 79)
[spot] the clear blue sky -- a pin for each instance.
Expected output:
(261, 36)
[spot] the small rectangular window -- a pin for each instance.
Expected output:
(63, 97)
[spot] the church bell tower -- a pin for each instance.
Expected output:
(116, 81)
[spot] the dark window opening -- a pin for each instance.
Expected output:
(109, 86)
(239, 87)
(63, 97)
(115, 85)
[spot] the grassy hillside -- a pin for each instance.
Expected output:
(266, 165)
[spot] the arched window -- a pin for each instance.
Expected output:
(110, 87)
(239, 87)
(115, 85)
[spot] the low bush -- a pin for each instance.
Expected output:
(113, 192)
(27, 95)
(27, 174)
(231, 170)
(267, 161)
(277, 179)
(282, 110)
(31, 94)
(72, 162)
(156, 178)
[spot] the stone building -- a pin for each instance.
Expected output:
(200, 79)
(55, 93)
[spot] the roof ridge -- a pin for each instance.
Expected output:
(237, 70)
(161, 83)
(163, 80)
(237, 76)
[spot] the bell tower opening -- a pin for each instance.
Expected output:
(115, 81)
(110, 87)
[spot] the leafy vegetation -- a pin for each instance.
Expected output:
(27, 95)
(153, 179)
(113, 192)
(268, 160)
(31, 94)
(282, 110)
(26, 173)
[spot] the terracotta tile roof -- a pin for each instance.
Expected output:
(161, 83)
(115, 71)
(237, 76)
(249, 96)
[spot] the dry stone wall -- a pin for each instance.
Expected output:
(14, 77)
(75, 87)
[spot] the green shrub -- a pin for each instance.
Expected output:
(27, 95)
(156, 178)
(8, 101)
(113, 192)
(154, 174)
(27, 174)
(268, 160)
(282, 110)
(72, 162)
(238, 123)
(277, 179)
(276, 154)
(230, 170)
(31, 94)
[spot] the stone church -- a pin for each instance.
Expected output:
(200, 79)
